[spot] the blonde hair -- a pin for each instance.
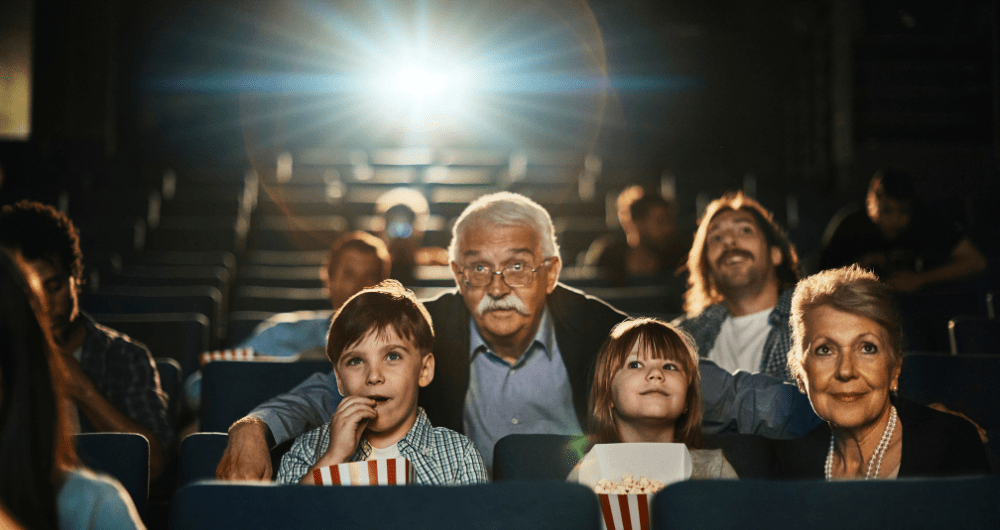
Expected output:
(662, 341)
(851, 290)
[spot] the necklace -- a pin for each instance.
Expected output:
(876, 459)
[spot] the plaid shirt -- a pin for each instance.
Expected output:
(125, 373)
(705, 326)
(439, 456)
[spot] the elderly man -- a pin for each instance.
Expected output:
(514, 351)
(743, 271)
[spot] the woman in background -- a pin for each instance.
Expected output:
(42, 485)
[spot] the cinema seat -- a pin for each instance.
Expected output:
(820, 505)
(230, 389)
(124, 456)
(500, 506)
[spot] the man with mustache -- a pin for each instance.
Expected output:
(743, 270)
(514, 350)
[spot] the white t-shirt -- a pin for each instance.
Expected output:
(381, 454)
(740, 344)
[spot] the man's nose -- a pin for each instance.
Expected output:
(498, 287)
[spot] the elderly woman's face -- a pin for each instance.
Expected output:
(849, 367)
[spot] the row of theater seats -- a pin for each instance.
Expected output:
(529, 491)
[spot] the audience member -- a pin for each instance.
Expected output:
(43, 486)
(902, 240)
(646, 389)
(846, 356)
(380, 346)
(113, 380)
(516, 349)
(652, 250)
(403, 214)
(356, 260)
(742, 272)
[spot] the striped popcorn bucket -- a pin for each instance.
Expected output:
(625, 512)
(238, 354)
(386, 472)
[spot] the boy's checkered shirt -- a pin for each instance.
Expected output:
(439, 456)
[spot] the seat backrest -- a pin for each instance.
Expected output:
(200, 456)
(974, 334)
(279, 299)
(536, 456)
(820, 505)
(179, 336)
(124, 456)
(170, 382)
(499, 506)
(963, 383)
(231, 389)
(552, 456)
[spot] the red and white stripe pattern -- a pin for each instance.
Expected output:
(386, 472)
(625, 512)
(238, 354)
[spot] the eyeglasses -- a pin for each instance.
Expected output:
(516, 274)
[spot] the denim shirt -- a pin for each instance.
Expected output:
(530, 396)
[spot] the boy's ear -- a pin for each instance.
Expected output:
(426, 370)
(340, 387)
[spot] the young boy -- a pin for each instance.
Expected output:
(380, 345)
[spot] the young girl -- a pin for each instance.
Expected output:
(646, 389)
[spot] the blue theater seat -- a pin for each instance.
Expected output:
(819, 505)
(231, 389)
(200, 456)
(124, 456)
(502, 506)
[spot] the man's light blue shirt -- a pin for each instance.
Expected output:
(531, 396)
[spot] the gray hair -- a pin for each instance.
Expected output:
(505, 209)
(849, 289)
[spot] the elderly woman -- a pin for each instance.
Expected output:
(846, 356)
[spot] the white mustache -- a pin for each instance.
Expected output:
(509, 302)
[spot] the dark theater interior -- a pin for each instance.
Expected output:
(802, 193)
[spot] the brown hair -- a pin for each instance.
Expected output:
(851, 290)
(36, 444)
(701, 291)
(386, 306)
(662, 341)
(362, 242)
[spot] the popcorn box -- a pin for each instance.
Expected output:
(666, 463)
(238, 354)
(383, 472)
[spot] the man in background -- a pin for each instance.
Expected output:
(113, 381)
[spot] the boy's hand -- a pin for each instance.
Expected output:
(346, 428)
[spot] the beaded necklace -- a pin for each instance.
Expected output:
(876, 459)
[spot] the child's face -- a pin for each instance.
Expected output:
(390, 370)
(647, 391)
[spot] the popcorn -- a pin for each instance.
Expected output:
(628, 486)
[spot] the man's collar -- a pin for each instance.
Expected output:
(545, 337)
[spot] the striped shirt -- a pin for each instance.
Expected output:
(439, 456)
